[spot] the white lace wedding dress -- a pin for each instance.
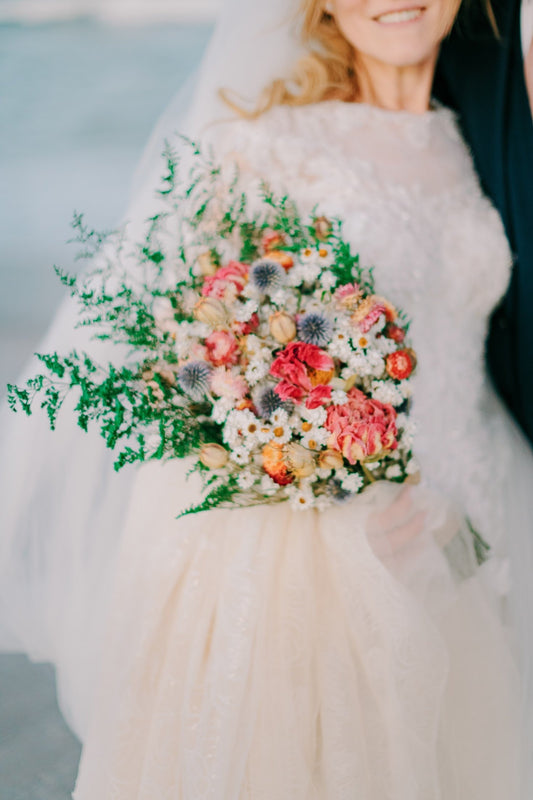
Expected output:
(266, 654)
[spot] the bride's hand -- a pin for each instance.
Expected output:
(398, 525)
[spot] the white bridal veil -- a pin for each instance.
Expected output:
(61, 504)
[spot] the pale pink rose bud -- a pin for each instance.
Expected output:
(300, 461)
(282, 327)
(211, 311)
(206, 264)
(214, 456)
(330, 459)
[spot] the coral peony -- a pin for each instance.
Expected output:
(362, 428)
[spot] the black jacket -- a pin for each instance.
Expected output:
(482, 77)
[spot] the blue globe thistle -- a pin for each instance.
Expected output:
(267, 275)
(315, 328)
(267, 402)
(193, 379)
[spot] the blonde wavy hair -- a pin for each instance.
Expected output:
(328, 69)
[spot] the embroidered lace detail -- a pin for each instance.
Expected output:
(413, 209)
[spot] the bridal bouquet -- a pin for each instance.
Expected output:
(248, 338)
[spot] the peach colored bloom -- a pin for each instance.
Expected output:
(347, 296)
(272, 240)
(222, 348)
(224, 383)
(275, 465)
(362, 427)
(227, 282)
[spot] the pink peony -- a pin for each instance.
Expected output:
(227, 282)
(303, 369)
(224, 383)
(222, 348)
(318, 396)
(362, 428)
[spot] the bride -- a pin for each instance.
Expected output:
(262, 653)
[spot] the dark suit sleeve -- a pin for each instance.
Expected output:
(482, 78)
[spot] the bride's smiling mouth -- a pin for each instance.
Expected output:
(401, 16)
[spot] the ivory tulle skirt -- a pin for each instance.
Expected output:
(266, 654)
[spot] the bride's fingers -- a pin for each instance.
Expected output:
(394, 515)
(388, 542)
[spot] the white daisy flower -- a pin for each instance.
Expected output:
(280, 417)
(325, 256)
(315, 438)
(265, 434)
(281, 433)
(240, 456)
(301, 496)
(309, 255)
(240, 426)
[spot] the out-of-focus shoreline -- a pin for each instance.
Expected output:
(123, 12)
(79, 100)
